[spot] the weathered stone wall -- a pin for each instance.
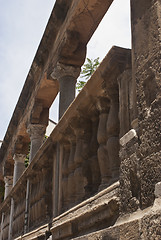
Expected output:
(146, 25)
(141, 156)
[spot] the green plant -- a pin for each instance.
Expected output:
(88, 69)
(27, 157)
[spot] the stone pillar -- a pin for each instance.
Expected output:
(1, 233)
(80, 179)
(26, 224)
(103, 159)
(37, 134)
(65, 172)
(19, 166)
(113, 130)
(67, 76)
(71, 166)
(11, 219)
(94, 171)
(126, 102)
(8, 185)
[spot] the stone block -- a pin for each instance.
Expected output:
(158, 190)
(150, 169)
(128, 137)
(151, 226)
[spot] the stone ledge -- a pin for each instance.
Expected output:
(39, 232)
(97, 212)
(135, 226)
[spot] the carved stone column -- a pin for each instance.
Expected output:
(113, 129)
(37, 133)
(68, 163)
(80, 179)
(103, 159)
(93, 171)
(65, 172)
(67, 76)
(8, 185)
(71, 167)
(11, 219)
(19, 166)
(2, 220)
(125, 101)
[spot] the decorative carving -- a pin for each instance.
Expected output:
(19, 157)
(62, 71)
(8, 185)
(36, 131)
(19, 166)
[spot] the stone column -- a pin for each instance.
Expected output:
(103, 106)
(37, 134)
(8, 185)
(65, 173)
(19, 166)
(11, 219)
(94, 171)
(80, 180)
(126, 102)
(67, 76)
(113, 129)
(2, 220)
(71, 166)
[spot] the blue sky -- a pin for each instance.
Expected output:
(22, 23)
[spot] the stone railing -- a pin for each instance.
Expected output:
(18, 213)
(5, 223)
(88, 149)
(16, 217)
(78, 160)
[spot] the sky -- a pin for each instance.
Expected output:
(22, 23)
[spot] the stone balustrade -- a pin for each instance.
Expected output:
(5, 223)
(77, 161)
(18, 213)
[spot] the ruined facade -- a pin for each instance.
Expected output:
(98, 175)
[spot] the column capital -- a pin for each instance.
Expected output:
(8, 185)
(8, 179)
(18, 157)
(36, 130)
(61, 70)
